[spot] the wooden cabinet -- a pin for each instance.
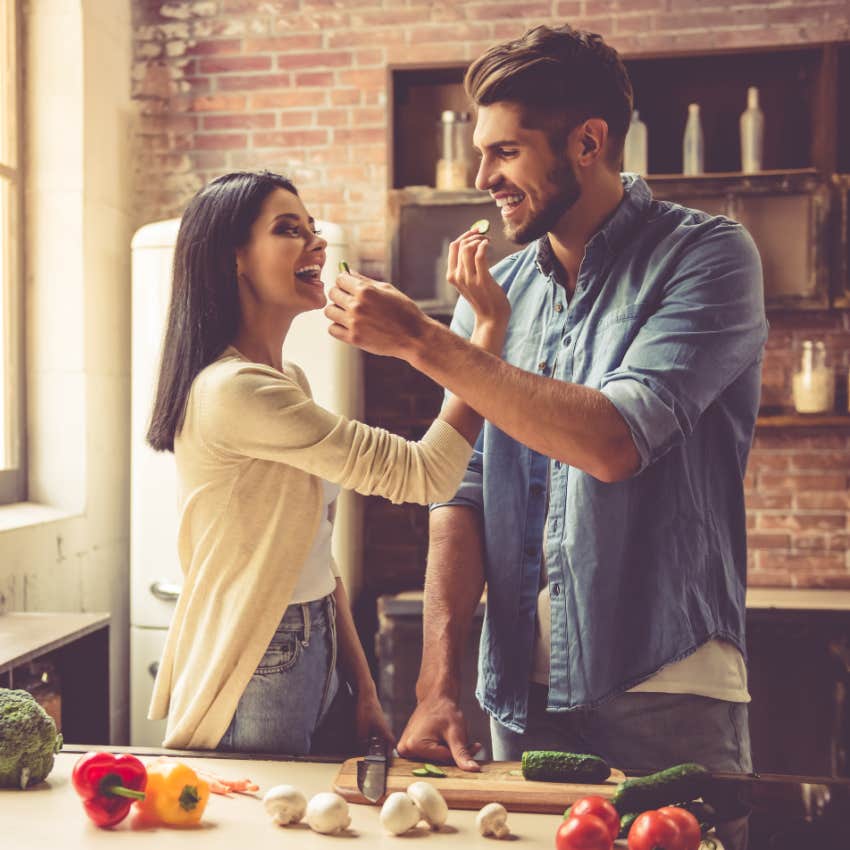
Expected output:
(797, 210)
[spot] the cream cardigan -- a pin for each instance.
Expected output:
(250, 455)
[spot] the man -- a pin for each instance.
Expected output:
(604, 503)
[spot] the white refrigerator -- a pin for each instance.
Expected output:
(335, 374)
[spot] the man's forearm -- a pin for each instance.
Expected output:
(453, 584)
(572, 423)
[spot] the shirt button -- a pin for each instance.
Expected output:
(558, 307)
(536, 489)
(567, 340)
(556, 590)
(542, 366)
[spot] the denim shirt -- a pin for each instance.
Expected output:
(667, 320)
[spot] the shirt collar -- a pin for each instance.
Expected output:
(615, 232)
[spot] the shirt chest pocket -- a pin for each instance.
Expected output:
(604, 344)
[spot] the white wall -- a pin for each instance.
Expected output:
(71, 551)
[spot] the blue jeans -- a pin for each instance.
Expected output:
(641, 732)
(293, 686)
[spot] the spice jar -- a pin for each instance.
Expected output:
(454, 161)
(813, 383)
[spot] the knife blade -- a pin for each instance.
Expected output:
(372, 770)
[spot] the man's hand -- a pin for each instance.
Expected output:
(436, 732)
(374, 316)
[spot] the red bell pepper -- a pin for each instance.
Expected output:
(108, 785)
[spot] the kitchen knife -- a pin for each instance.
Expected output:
(372, 770)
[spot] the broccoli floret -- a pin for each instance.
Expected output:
(28, 740)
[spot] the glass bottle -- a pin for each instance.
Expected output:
(635, 152)
(693, 145)
(752, 133)
(453, 164)
(813, 383)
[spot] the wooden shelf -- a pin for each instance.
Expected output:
(804, 420)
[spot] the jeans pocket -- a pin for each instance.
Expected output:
(282, 653)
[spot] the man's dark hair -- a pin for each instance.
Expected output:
(559, 77)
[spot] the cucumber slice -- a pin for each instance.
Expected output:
(482, 225)
(433, 770)
(343, 267)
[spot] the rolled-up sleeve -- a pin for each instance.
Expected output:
(709, 327)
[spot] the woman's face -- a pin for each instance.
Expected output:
(280, 266)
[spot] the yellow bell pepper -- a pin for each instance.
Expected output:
(174, 795)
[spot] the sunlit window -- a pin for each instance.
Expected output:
(12, 479)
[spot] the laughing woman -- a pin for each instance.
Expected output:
(250, 662)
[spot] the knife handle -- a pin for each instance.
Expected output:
(377, 747)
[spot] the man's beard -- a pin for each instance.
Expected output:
(567, 192)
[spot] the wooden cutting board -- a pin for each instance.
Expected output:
(494, 784)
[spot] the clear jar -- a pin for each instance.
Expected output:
(813, 383)
(453, 166)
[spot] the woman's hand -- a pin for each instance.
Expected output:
(369, 718)
(469, 273)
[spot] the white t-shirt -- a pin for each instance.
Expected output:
(318, 575)
(716, 669)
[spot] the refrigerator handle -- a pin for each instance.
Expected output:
(166, 591)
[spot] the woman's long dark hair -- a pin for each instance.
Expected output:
(203, 313)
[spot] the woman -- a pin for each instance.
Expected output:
(250, 662)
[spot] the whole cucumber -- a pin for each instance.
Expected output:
(554, 766)
(666, 787)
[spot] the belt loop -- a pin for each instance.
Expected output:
(305, 615)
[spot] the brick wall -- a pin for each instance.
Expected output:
(299, 86)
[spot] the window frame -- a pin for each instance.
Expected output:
(13, 472)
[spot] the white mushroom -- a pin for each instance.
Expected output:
(493, 820)
(430, 803)
(285, 803)
(399, 813)
(327, 813)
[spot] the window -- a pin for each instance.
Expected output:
(12, 473)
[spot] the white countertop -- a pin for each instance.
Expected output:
(51, 816)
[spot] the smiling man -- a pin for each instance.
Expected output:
(603, 506)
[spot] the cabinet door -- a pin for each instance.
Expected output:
(788, 216)
(841, 217)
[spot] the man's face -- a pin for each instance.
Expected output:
(532, 184)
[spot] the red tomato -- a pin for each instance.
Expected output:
(600, 807)
(583, 832)
(688, 826)
(654, 831)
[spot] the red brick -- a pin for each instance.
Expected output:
(342, 174)
(374, 153)
(771, 501)
(386, 18)
(283, 43)
(802, 563)
(249, 7)
(365, 58)
(219, 103)
(345, 97)
(769, 541)
(821, 460)
(375, 80)
(297, 118)
(768, 578)
(810, 542)
(442, 33)
(804, 522)
(206, 160)
(320, 59)
(372, 115)
(607, 7)
(226, 64)
(324, 79)
(822, 501)
(250, 82)
(332, 117)
(794, 483)
(760, 461)
(366, 37)
(285, 139)
(452, 52)
(220, 141)
(246, 121)
(286, 99)
(377, 135)
(500, 11)
(215, 46)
